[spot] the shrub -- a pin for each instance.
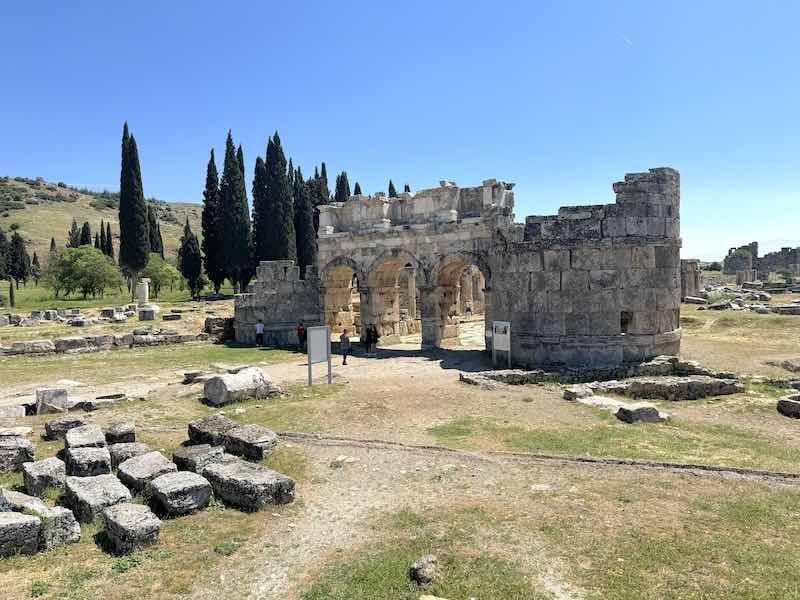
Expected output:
(160, 273)
(84, 269)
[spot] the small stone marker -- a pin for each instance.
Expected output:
(131, 527)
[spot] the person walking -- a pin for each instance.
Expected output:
(344, 346)
(374, 337)
(260, 333)
(301, 335)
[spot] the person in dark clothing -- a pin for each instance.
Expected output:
(344, 346)
(301, 335)
(260, 333)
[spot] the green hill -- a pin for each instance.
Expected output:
(40, 210)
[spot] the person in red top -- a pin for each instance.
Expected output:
(301, 335)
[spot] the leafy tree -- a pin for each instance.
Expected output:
(160, 273)
(392, 191)
(189, 260)
(304, 224)
(74, 235)
(134, 243)
(407, 189)
(154, 232)
(211, 226)
(84, 269)
(342, 188)
(234, 218)
(36, 269)
(357, 189)
(714, 266)
(19, 261)
(86, 234)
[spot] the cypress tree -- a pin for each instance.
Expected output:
(263, 215)
(74, 235)
(234, 218)
(211, 227)
(19, 261)
(189, 260)
(11, 300)
(357, 190)
(275, 238)
(392, 191)
(109, 249)
(323, 176)
(134, 239)
(304, 224)
(3, 256)
(52, 245)
(36, 269)
(290, 175)
(407, 189)
(97, 240)
(342, 188)
(102, 245)
(154, 232)
(86, 234)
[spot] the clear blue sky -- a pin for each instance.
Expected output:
(560, 97)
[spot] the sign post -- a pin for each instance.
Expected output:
(319, 349)
(501, 340)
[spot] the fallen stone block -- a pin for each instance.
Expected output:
(195, 376)
(195, 458)
(130, 527)
(248, 486)
(147, 314)
(136, 472)
(51, 400)
(12, 411)
(171, 317)
(694, 300)
(88, 461)
(14, 452)
(639, 414)
(58, 524)
(100, 403)
(120, 433)
(42, 474)
(789, 406)
(20, 431)
(19, 534)
(178, 493)
(574, 392)
(85, 436)
(88, 496)
(210, 430)
(235, 387)
(250, 441)
(71, 344)
(123, 340)
(125, 450)
(58, 428)
(32, 347)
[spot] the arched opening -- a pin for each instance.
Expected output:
(456, 306)
(393, 296)
(341, 300)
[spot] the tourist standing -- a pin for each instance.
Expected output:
(344, 346)
(374, 337)
(260, 333)
(301, 335)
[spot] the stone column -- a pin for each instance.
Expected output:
(412, 293)
(466, 294)
(430, 313)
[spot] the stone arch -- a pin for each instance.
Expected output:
(462, 258)
(341, 301)
(394, 256)
(343, 261)
(392, 306)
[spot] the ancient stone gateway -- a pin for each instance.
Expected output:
(592, 285)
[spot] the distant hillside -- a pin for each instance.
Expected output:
(40, 210)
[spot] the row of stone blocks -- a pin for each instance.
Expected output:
(170, 489)
(96, 343)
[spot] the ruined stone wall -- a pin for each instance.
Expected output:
(690, 277)
(742, 258)
(595, 284)
(280, 299)
(785, 258)
(592, 285)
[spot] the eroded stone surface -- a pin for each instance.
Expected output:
(42, 474)
(58, 524)
(136, 472)
(14, 452)
(248, 486)
(58, 428)
(210, 430)
(19, 534)
(121, 433)
(88, 461)
(178, 493)
(247, 383)
(85, 436)
(195, 458)
(88, 496)
(789, 406)
(250, 441)
(130, 527)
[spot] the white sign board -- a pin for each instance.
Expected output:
(501, 340)
(319, 348)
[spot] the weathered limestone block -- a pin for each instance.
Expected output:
(58, 428)
(639, 414)
(130, 527)
(14, 452)
(19, 534)
(71, 344)
(88, 461)
(147, 314)
(789, 406)
(248, 486)
(210, 430)
(51, 400)
(12, 411)
(42, 474)
(235, 387)
(85, 436)
(88, 496)
(250, 441)
(119, 433)
(123, 340)
(58, 524)
(425, 570)
(137, 471)
(123, 451)
(195, 458)
(32, 347)
(179, 493)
